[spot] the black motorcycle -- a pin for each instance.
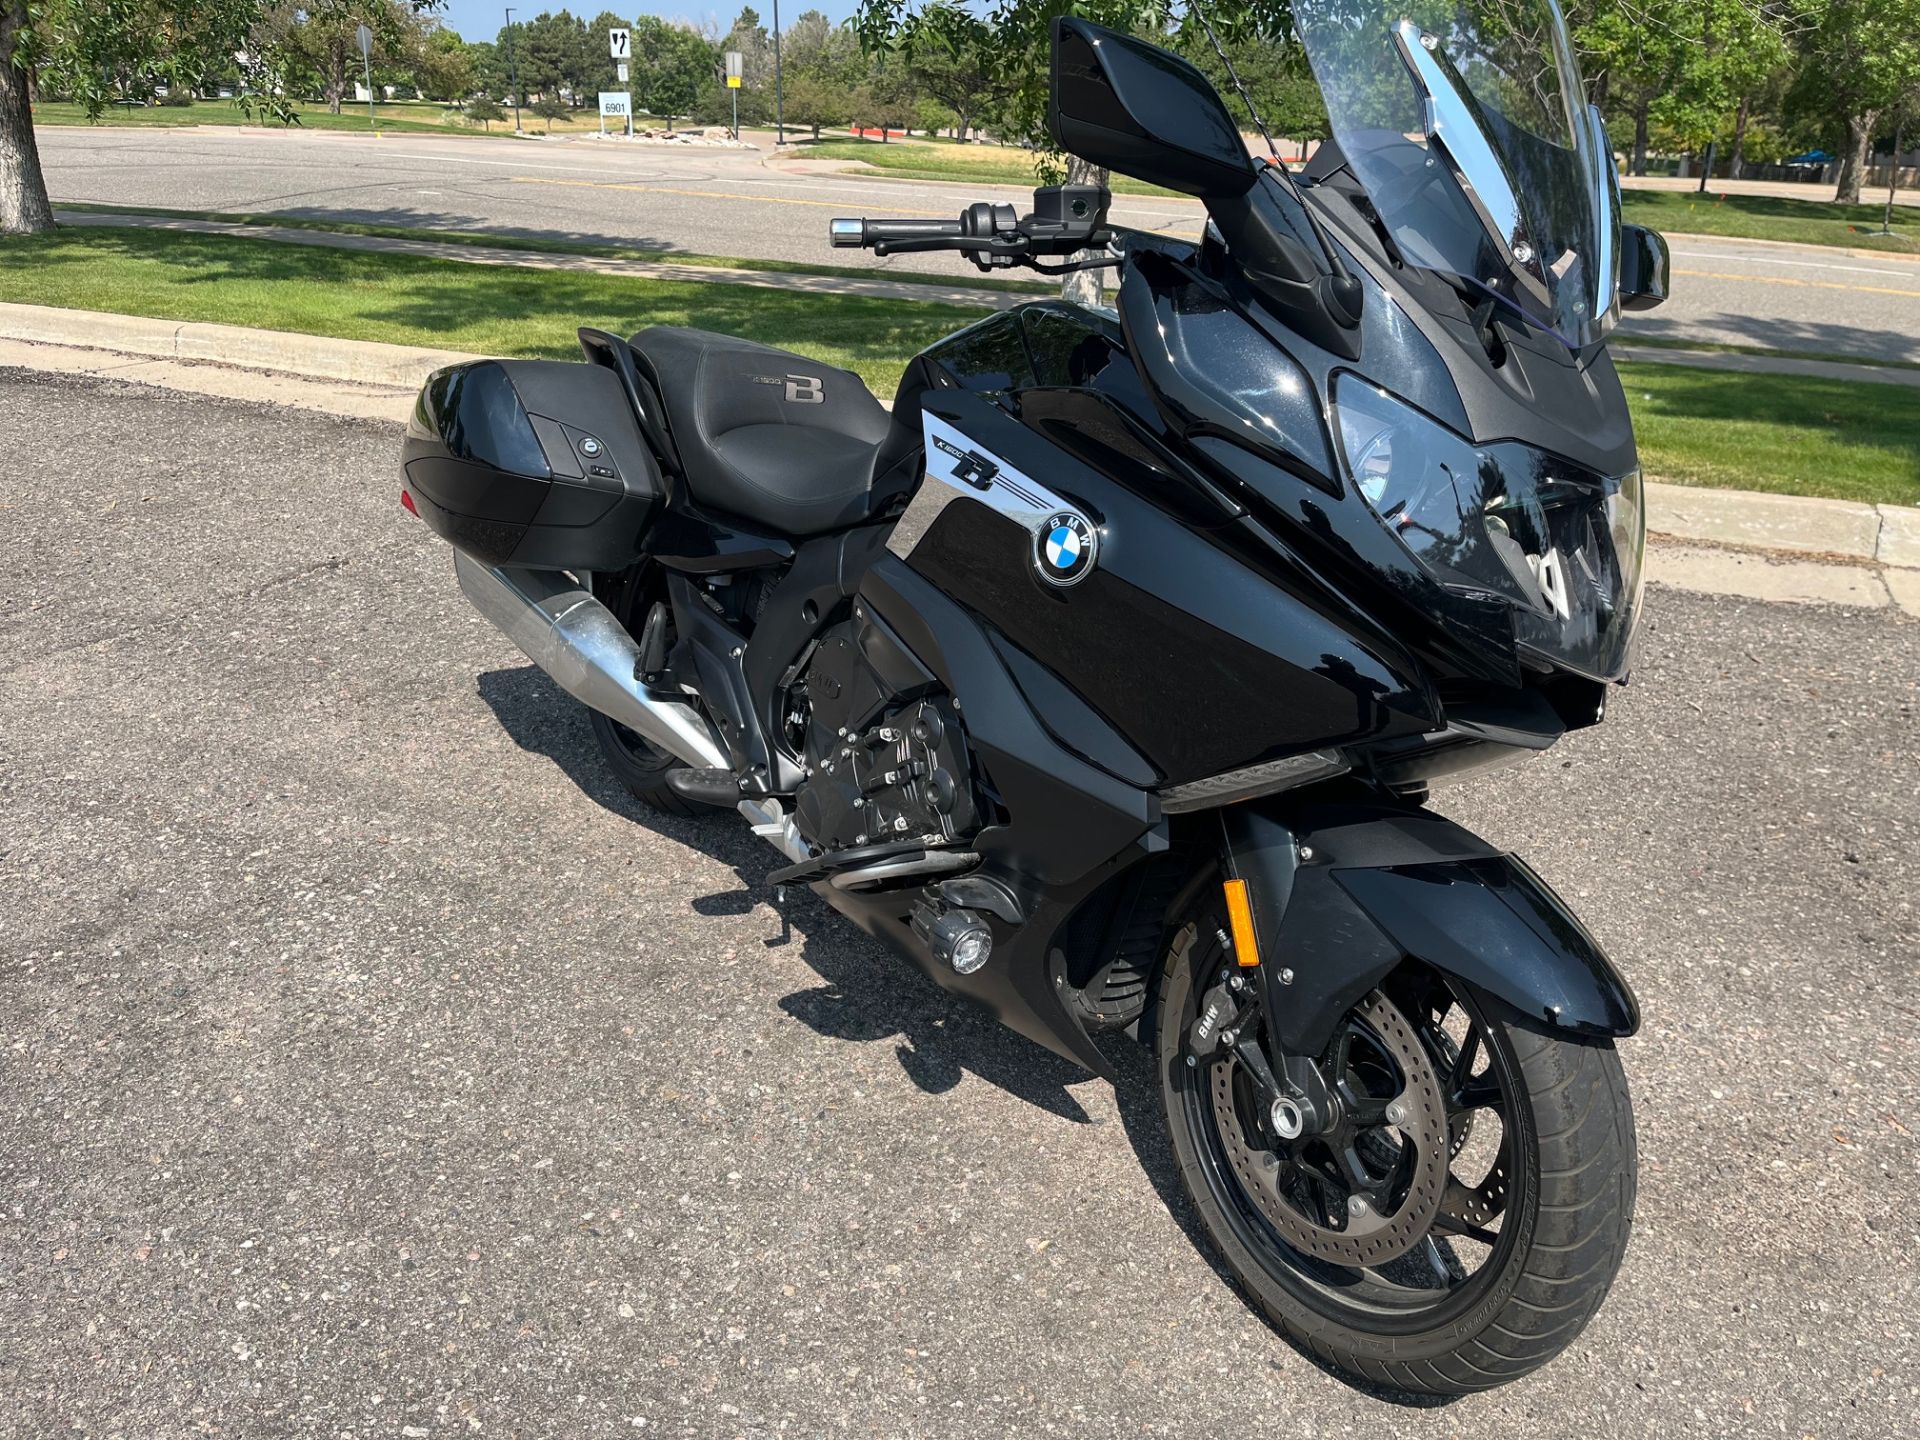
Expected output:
(1105, 677)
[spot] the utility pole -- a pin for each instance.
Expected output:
(513, 78)
(779, 116)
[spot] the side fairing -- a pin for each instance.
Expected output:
(1204, 661)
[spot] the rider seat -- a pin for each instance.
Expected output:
(765, 434)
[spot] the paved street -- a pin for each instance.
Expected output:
(729, 203)
(370, 1066)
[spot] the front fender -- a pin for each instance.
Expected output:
(1343, 894)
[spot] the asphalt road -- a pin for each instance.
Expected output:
(729, 203)
(370, 1066)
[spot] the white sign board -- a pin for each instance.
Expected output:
(615, 105)
(619, 45)
(622, 69)
(364, 37)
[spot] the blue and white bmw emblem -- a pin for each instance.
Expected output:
(1065, 547)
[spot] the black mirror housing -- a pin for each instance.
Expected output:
(1129, 106)
(1644, 267)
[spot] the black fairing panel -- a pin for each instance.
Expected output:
(1344, 893)
(1166, 611)
(1064, 825)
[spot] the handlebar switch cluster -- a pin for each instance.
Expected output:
(1064, 219)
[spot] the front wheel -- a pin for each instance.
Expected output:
(1459, 1216)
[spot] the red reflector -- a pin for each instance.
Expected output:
(406, 499)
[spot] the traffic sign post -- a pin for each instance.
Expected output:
(365, 37)
(616, 105)
(620, 44)
(733, 85)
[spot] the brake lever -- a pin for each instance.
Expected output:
(962, 243)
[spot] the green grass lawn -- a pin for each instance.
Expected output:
(412, 119)
(1812, 221)
(489, 310)
(991, 164)
(1785, 433)
(1782, 433)
(544, 245)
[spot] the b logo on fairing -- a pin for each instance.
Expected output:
(1065, 547)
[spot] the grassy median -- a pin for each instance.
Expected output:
(1789, 434)
(1813, 221)
(982, 164)
(413, 118)
(487, 309)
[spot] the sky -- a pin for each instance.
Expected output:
(482, 19)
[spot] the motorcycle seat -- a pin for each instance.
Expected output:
(765, 434)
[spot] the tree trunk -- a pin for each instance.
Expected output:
(1639, 166)
(1084, 287)
(1859, 142)
(1736, 160)
(24, 208)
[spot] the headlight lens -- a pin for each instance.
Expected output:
(1561, 545)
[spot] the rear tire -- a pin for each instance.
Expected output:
(1572, 1171)
(640, 766)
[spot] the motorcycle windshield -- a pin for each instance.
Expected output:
(1468, 125)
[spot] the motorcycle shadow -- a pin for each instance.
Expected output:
(869, 994)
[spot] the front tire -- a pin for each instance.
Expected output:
(1553, 1205)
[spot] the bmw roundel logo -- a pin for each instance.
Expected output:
(1065, 547)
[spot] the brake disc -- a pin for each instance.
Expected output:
(1364, 1236)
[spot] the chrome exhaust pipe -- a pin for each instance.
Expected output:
(587, 653)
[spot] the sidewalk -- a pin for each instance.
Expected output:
(978, 296)
(962, 295)
(1733, 542)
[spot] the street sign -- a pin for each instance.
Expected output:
(733, 69)
(620, 45)
(621, 68)
(365, 37)
(615, 105)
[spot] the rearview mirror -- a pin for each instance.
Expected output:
(1643, 267)
(1129, 106)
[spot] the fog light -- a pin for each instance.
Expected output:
(959, 938)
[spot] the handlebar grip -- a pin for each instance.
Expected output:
(852, 234)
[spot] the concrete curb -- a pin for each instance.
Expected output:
(1746, 520)
(362, 362)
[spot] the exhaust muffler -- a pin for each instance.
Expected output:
(574, 638)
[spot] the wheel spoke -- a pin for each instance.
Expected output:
(1447, 1224)
(1463, 1062)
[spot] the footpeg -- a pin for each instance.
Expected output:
(709, 787)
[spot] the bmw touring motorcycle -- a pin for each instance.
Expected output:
(1106, 676)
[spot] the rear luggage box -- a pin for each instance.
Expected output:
(535, 463)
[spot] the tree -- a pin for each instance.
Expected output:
(24, 207)
(97, 52)
(444, 68)
(486, 110)
(553, 56)
(600, 72)
(950, 58)
(325, 36)
(672, 64)
(551, 108)
(814, 99)
(1858, 58)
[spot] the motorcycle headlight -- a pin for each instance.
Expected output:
(1563, 546)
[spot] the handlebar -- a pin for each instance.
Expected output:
(1065, 219)
(857, 234)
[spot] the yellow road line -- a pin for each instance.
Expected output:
(840, 205)
(1804, 284)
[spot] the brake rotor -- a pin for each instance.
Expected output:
(1359, 1237)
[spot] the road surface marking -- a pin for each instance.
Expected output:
(1795, 280)
(1798, 264)
(702, 194)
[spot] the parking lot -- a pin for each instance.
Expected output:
(370, 1065)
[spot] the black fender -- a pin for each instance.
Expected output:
(1343, 893)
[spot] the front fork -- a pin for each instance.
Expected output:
(1292, 1090)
